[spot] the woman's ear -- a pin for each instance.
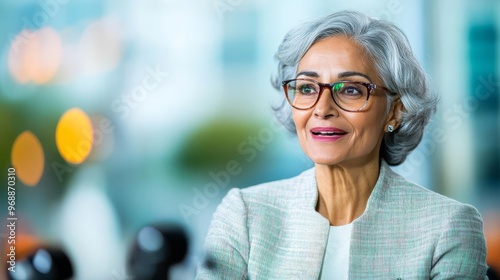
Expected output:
(395, 114)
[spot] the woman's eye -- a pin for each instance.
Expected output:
(351, 91)
(307, 89)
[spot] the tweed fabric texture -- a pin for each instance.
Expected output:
(272, 231)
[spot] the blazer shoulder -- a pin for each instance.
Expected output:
(418, 197)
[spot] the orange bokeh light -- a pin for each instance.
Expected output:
(35, 56)
(26, 244)
(492, 234)
(27, 158)
(74, 138)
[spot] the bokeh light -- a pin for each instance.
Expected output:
(100, 47)
(35, 56)
(74, 136)
(27, 158)
(492, 235)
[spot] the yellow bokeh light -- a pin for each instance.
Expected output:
(74, 136)
(35, 56)
(27, 158)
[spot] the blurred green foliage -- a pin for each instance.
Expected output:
(212, 145)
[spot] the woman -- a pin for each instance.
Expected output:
(358, 101)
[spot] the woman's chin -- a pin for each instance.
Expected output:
(325, 160)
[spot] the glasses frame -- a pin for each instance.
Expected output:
(369, 86)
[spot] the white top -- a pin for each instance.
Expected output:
(336, 258)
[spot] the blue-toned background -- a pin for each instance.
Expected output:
(179, 99)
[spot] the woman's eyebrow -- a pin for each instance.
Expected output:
(311, 74)
(353, 73)
(346, 74)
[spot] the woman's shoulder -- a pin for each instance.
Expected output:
(413, 197)
(297, 190)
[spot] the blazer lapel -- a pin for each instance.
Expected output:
(307, 231)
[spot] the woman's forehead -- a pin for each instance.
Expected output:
(331, 56)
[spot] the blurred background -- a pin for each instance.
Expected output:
(119, 114)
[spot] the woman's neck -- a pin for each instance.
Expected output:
(344, 190)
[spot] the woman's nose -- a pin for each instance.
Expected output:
(326, 107)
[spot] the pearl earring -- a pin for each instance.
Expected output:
(390, 128)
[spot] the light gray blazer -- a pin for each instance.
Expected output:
(272, 231)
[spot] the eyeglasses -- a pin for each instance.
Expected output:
(303, 94)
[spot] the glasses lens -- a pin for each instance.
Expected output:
(302, 94)
(350, 96)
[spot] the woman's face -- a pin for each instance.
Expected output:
(358, 135)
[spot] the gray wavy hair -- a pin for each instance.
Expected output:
(394, 60)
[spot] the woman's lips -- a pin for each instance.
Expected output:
(327, 134)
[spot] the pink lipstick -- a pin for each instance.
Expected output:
(327, 134)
